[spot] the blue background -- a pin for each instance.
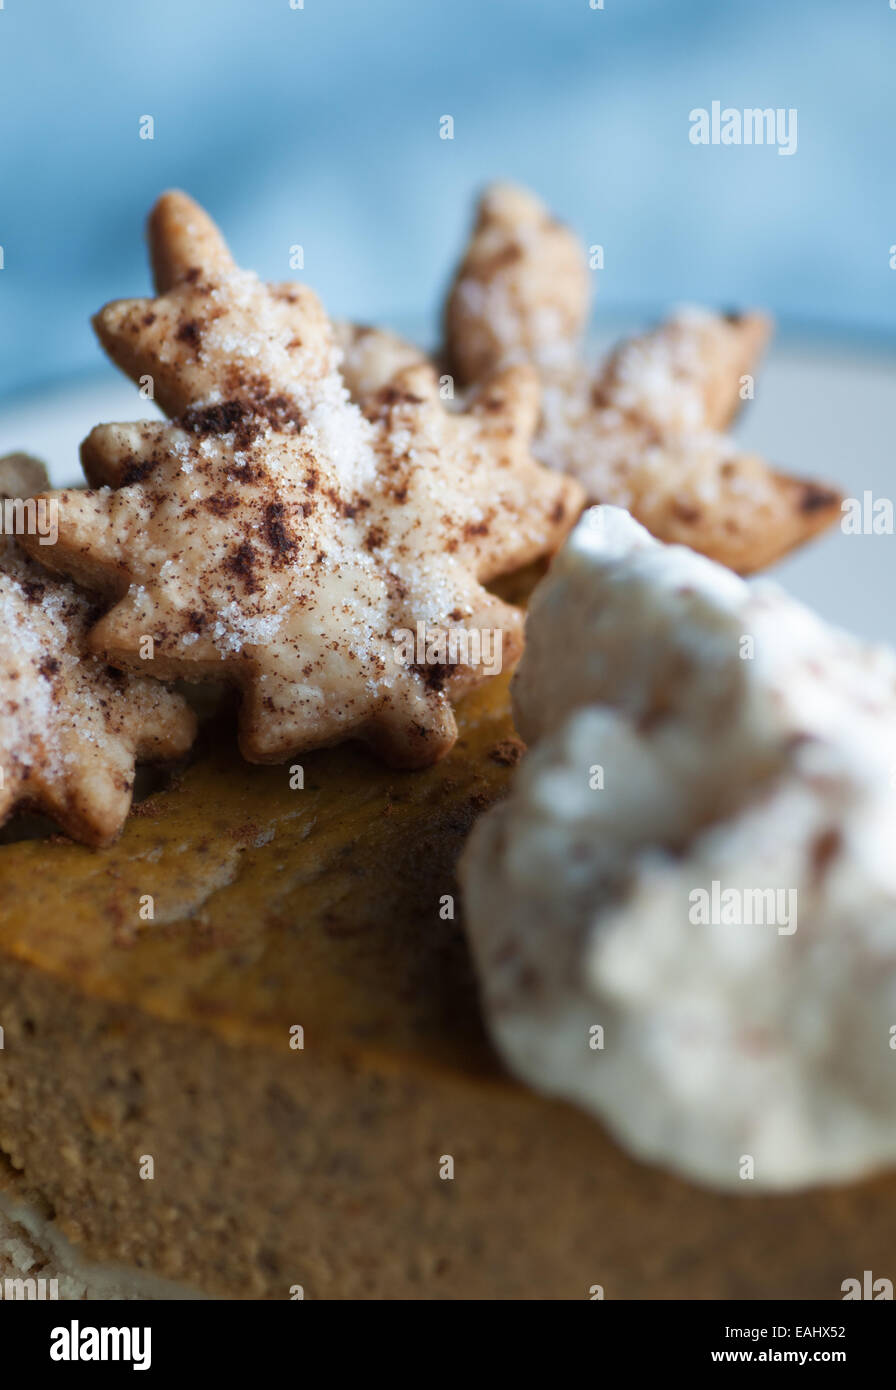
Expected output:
(320, 126)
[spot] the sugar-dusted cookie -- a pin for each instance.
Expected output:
(645, 431)
(327, 562)
(521, 292)
(71, 727)
(371, 357)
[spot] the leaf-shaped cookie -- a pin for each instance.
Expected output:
(71, 728)
(274, 536)
(644, 432)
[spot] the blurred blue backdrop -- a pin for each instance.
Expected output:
(320, 126)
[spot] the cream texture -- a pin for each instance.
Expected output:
(692, 730)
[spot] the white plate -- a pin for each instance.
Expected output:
(824, 411)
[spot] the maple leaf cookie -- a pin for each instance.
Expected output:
(522, 290)
(328, 562)
(645, 431)
(71, 727)
(371, 357)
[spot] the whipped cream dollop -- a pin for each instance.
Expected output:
(683, 918)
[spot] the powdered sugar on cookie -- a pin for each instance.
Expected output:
(645, 431)
(70, 727)
(276, 536)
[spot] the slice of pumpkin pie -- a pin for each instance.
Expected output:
(280, 1079)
